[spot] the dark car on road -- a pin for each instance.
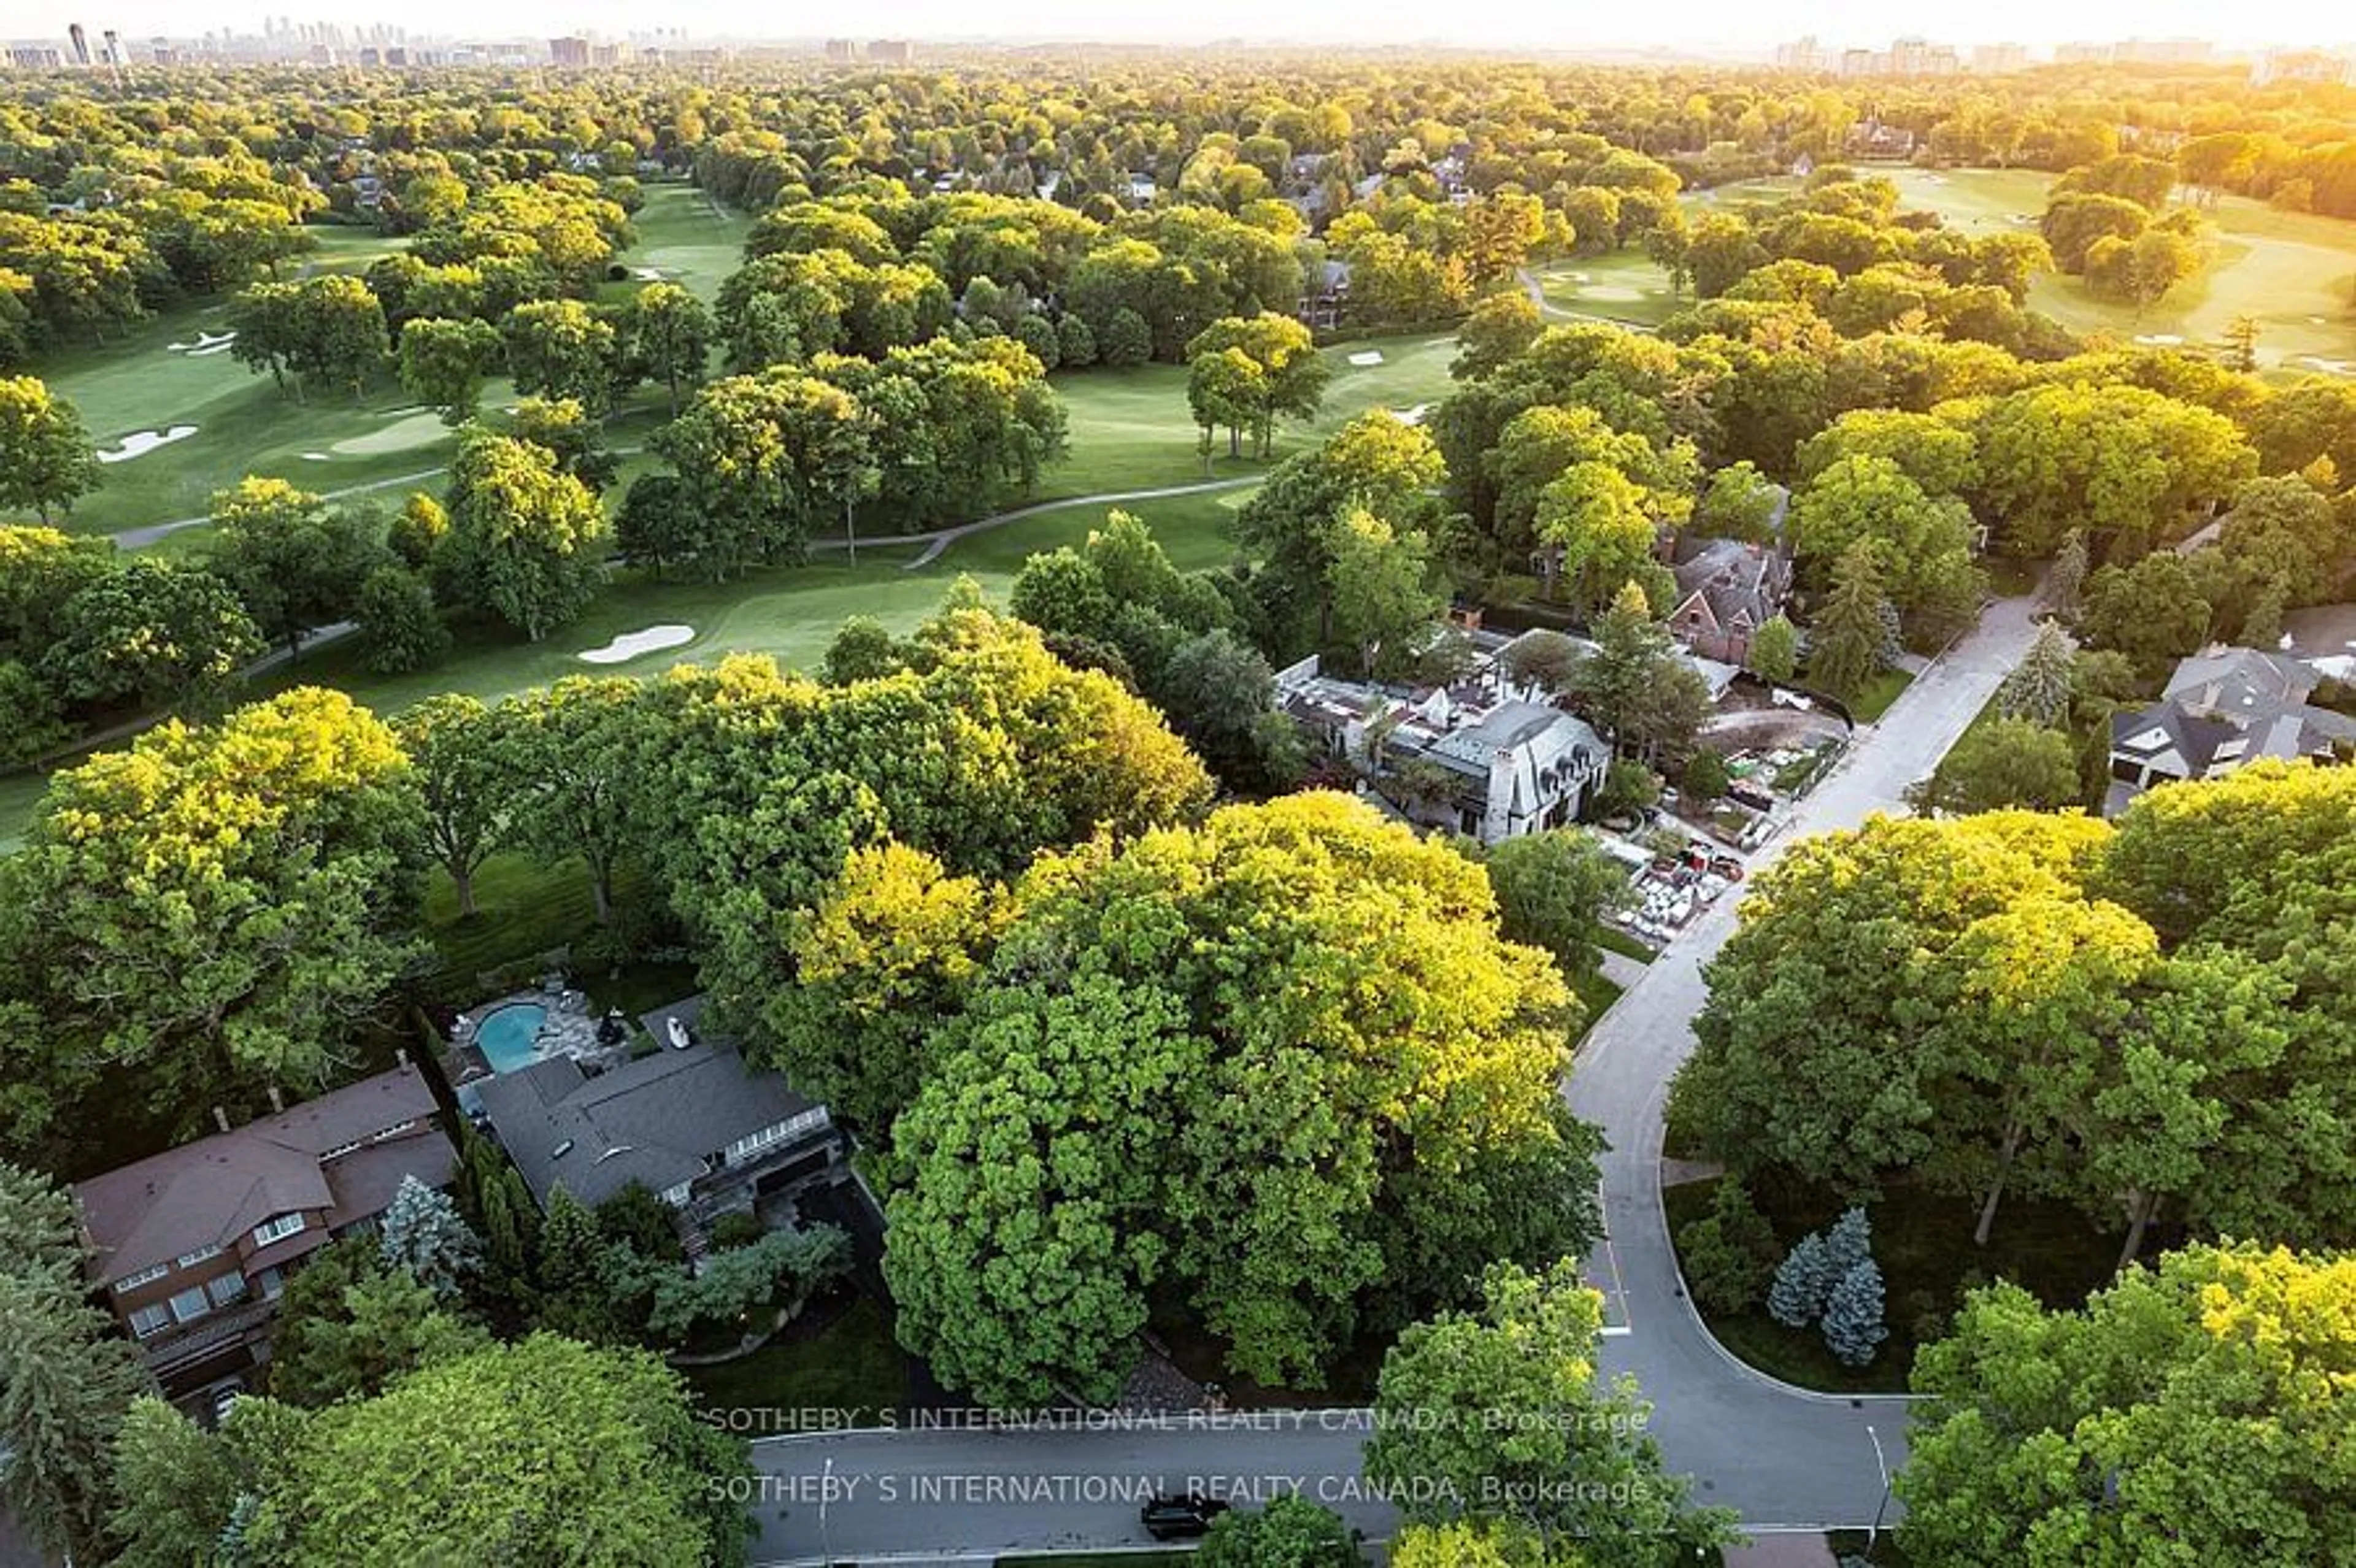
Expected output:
(1179, 1516)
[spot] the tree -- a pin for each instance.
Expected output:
(2064, 1436)
(296, 563)
(1636, 687)
(671, 332)
(526, 539)
(863, 650)
(539, 1452)
(423, 1235)
(1291, 375)
(1075, 346)
(1848, 634)
(2002, 765)
(1499, 328)
(1705, 777)
(66, 1378)
(1126, 340)
(2151, 612)
(355, 1329)
(562, 348)
(45, 461)
(338, 331)
(175, 1485)
(1485, 1407)
(2040, 688)
(2122, 462)
(1224, 387)
(443, 364)
(256, 874)
(1023, 1249)
(1381, 589)
(1923, 547)
(453, 745)
(1852, 1325)
(2241, 344)
(417, 533)
(2067, 579)
(1219, 694)
(400, 628)
(1774, 653)
(1291, 1532)
(1727, 1256)
(1738, 503)
(565, 757)
(1552, 889)
(1374, 464)
(1804, 1283)
(150, 633)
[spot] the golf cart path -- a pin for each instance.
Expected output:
(940, 540)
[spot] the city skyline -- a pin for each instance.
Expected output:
(1707, 26)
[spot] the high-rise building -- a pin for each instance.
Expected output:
(571, 53)
(1998, 59)
(841, 51)
(892, 51)
(80, 44)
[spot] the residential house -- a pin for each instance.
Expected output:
(1727, 589)
(1323, 309)
(1478, 755)
(2221, 709)
(192, 1246)
(695, 1124)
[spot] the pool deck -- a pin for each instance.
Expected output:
(568, 1028)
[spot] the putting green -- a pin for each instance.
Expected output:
(402, 435)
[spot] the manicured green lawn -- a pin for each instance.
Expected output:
(1093, 1558)
(1627, 946)
(2294, 272)
(688, 237)
(1596, 995)
(1923, 1243)
(854, 1365)
(1879, 694)
(1621, 285)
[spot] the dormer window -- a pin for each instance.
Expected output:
(277, 1229)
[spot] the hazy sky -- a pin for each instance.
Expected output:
(1559, 24)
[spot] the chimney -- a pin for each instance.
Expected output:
(277, 1101)
(221, 1118)
(401, 1056)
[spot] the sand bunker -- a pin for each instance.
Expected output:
(1371, 357)
(206, 343)
(316, 457)
(402, 435)
(2158, 339)
(1618, 293)
(138, 442)
(630, 645)
(1411, 416)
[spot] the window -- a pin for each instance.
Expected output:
(191, 1260)
(753, 1143)
(130, 1282)
(677, 1196)
(190, 1303)
(150, 1320)
(226, 1290)
(275, 1230)
(269, 1281)
(394, 1131)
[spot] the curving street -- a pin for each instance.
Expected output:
(1782, 1456)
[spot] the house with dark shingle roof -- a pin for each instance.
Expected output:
(696, 1126)
(190, 1247)
(2223, 709)
(1727, 590)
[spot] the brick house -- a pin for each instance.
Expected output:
(191, 1247)
(1727, 590)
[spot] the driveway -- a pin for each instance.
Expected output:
(1782, 1455)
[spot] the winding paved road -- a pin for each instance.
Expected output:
(1785, 1458)
(940, 540)
(1780, 1455)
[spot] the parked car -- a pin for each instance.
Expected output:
(1179, 1516)
(1726, 866)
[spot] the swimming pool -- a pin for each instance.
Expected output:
(506, 1034)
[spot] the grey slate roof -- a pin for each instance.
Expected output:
(662, 1119)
